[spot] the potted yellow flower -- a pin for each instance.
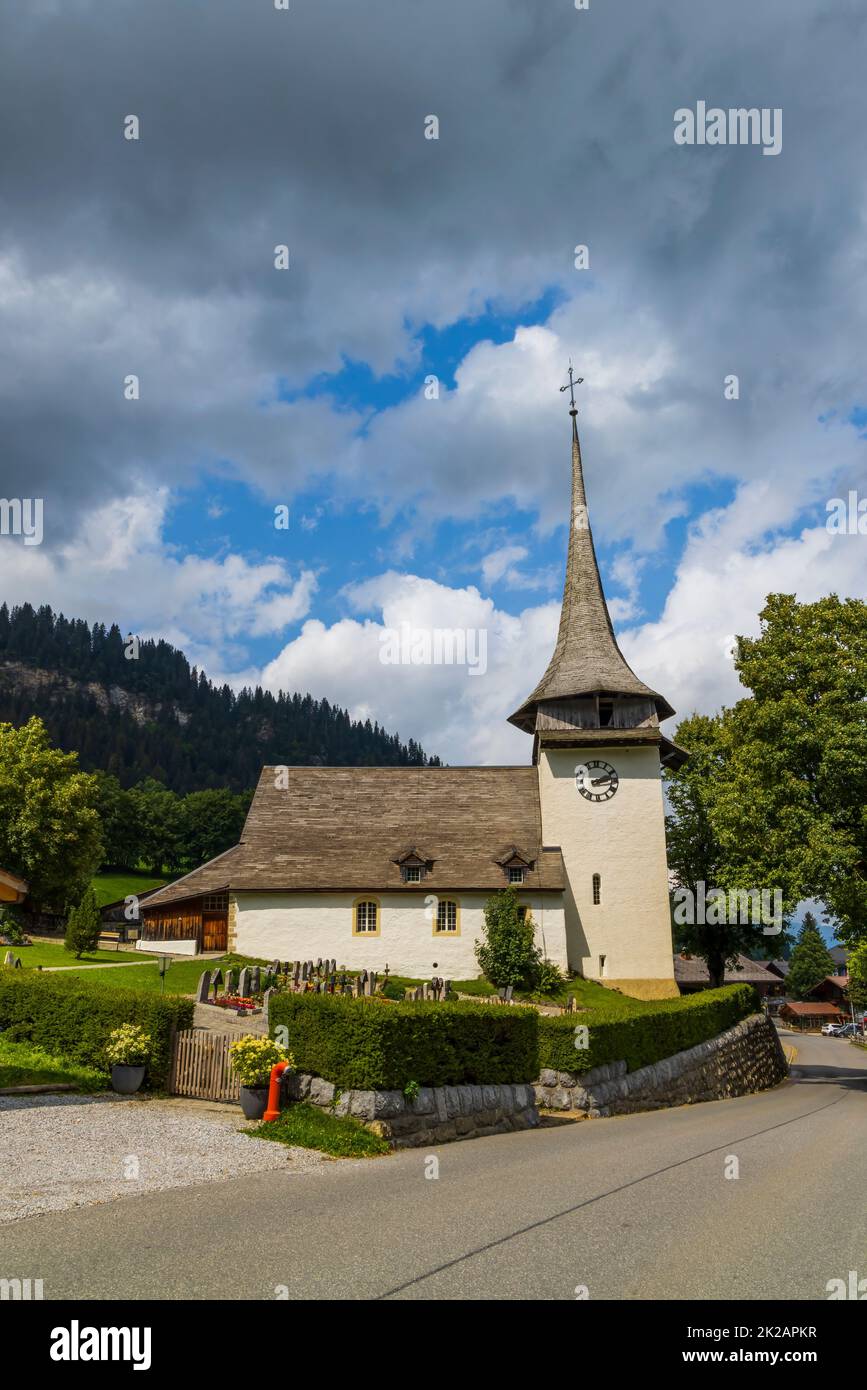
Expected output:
(252, 1060)
(127, 1052)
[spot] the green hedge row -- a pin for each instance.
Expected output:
(368, 1045)
(657, 1030)
(69, 1019)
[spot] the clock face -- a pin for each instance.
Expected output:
(595, 780)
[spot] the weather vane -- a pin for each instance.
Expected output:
(571, 384)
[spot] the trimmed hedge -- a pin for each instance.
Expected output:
(657, 1030)
(371, 1045)
(70, 1019)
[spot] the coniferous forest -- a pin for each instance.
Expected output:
(157, 717)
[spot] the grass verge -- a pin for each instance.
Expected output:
(305, 1126)
(22, 1064)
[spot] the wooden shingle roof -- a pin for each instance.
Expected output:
(341, 828)
(587, 659)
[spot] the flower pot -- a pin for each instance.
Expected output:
(127, 1080)
(254, 1101)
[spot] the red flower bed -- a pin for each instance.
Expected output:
(235, 1001)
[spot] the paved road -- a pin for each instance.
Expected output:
(632, 1207)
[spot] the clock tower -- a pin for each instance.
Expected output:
(599, 751)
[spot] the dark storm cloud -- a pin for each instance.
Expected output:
(260, 127)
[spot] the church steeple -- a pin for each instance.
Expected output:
(587, 663)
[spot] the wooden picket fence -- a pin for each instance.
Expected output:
(201, 1068)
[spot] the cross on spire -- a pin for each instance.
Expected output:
(570, 387)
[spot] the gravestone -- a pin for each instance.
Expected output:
(266, 1004)
(231, 980)
(255, 980)
(244, 983)
(204, 987)
(216, 981)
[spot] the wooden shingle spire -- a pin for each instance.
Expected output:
(587, 660)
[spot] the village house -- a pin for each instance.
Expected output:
(691, 974)
(393, 865)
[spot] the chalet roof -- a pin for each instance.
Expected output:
(587, 659)
(691, 970)
(341, 828)
(18, 885)
(817, 1010)
(838, 981)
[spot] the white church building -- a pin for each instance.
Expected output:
(376, 866)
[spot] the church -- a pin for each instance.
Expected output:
(376, 866)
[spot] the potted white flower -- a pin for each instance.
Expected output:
(127, 1052)
(252, 1060)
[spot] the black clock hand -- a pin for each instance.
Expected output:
(598, 781)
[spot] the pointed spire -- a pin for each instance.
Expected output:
(587, 659)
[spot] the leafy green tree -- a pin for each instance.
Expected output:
(792, 810)
(508, 954)
(121, 834)
(83, 926)
(49, 824)
(777, 799)
(699, 864)
(858, 976)
(211, 821)
(810, 962)
(160, 824)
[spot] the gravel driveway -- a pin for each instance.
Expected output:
(65, 1151)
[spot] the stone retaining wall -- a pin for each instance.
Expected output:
(436, 1115)
(746, 1058)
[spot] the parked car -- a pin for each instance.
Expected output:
(830, 1029)
(849, 1030)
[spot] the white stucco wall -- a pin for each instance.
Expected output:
(304, 926)
(623, 840)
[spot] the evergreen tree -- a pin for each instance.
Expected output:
(83, 926)
(811, 961)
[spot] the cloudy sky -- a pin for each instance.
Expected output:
(409, 259)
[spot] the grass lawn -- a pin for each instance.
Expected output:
(110, 887)
(182, 976)
(307, 1127)
(54, 953)
(23, 1064)
(589, 995)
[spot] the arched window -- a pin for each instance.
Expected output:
(597, 889)
(448, 918)
(366, 920)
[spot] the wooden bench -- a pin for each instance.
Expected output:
(111, 937)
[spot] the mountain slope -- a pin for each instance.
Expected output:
(155, 716)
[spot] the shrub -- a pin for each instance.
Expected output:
(508, 954)
(128, 1046)
(83, 926)
(549, 978)
(253, 1058)
(70, 1019)
(657, 1030)
(371, 1044)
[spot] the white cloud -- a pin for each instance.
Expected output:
(117, 567)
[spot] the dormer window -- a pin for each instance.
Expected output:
(413, 863)
(606, 713)
(516, 873)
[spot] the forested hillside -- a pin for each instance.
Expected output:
(156, 717)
